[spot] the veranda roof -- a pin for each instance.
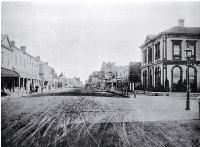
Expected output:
(8, 73)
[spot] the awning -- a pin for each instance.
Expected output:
(8, 73)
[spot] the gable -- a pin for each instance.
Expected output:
(6, 43)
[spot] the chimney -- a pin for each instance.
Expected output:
(181, 22)
(12, 43)
(23, 48)
(38, 57)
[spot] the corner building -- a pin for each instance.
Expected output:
(164, 61)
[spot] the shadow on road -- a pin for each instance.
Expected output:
(80, 92)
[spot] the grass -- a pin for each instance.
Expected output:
(70, 123)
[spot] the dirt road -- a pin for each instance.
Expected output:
(65, 119)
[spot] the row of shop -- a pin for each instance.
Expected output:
(14, 84)
(21, 73)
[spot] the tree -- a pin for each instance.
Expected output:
(61, 75)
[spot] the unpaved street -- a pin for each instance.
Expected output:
(70, 116)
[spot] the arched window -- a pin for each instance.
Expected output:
(176, 75)
(157, 76)
(176, 78)
(145, 78)
(192, 79)
(150, 77)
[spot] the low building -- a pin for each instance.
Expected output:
(164, 62)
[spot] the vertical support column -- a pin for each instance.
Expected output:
(19, 83)
(13, 85)
(188, 89)
(22, 82)
(199, 105)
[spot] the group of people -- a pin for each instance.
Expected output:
(34, 89)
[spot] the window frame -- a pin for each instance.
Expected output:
(179, 43)
(150, 54)
(193, 42)
(145, 56)
(157, 50)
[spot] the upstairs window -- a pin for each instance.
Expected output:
(157, 50)
(24, 63)
(176, 49)
(145, 56)
(149, 55)
(16, 60)
(2, 57)
(192, 45)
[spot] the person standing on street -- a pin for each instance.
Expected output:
(134, 93)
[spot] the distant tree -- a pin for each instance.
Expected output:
(61, 75)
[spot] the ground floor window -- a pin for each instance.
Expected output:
(176, 79)
(150, 77)
(192, 79)
(157, 76)
(145, 78)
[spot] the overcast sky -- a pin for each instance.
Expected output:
(75, 38)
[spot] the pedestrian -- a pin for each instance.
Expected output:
(30, 88)
(36, 89)
(134, 93)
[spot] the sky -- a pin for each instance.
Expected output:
(76, 37)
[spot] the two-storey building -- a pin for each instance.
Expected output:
(164, 60)
(9, 77)
(47, 75)
(27, 67)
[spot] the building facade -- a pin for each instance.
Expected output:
(20, 70)
(9, 77)
(164, 60)
(27, 67)
(46, 74)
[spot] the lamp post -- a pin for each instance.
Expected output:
(188, 54)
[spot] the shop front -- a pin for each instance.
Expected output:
(9, 80)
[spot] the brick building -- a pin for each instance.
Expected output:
(164, 61)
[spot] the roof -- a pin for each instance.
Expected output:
(3, 36)
(5, 42)
(182, 30)
(174, 30)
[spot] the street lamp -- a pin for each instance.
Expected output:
(188, 54)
